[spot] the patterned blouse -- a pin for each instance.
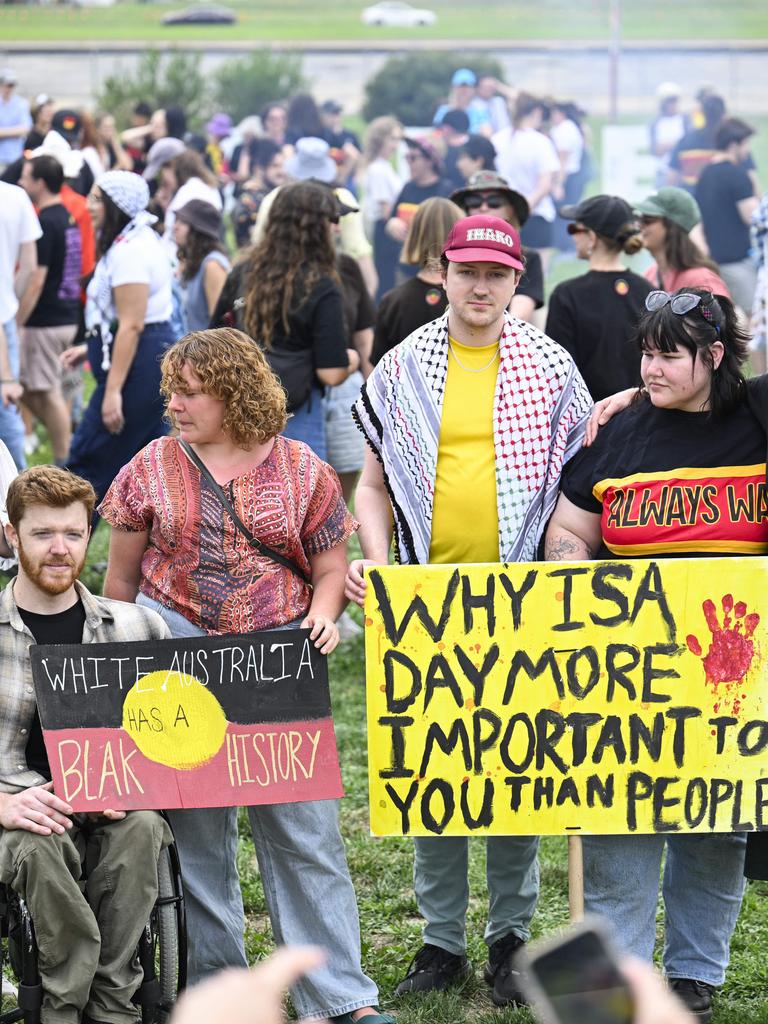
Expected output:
(198, 564)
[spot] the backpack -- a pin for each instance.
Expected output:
(294, 368)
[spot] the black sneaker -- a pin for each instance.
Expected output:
(434, 969)
(697, 996)
(501, 973)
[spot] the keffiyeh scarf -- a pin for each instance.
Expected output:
(540, 410)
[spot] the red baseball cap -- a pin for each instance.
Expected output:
(484, 239)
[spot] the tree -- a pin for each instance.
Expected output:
(411, 87)
(243, 86)
(161, 79)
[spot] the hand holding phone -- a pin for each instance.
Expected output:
(575, 978)
(579, 978)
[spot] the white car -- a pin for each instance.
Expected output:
(398, 14)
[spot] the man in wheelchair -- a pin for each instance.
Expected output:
(89, 881)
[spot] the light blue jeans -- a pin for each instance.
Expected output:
(11, 423)
(442, 888)
(306, 881)
(702, 889)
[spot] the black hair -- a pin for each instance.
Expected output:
(47, 168)
(713, 319)
(264, 151)
(143, 109)
(304, 117)
(730, 130)
(114, 221)
(175, 121)
(478, 147)
(713, 109)
(456, 119)
(266, 110)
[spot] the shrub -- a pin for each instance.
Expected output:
(160, 79)
(243, 86)
(411, 87)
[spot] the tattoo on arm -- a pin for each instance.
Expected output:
(565, 547)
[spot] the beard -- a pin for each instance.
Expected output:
(36, 572)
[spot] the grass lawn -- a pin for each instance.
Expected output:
(505, 21)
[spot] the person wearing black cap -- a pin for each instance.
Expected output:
(203, 262)
(454, 130)
(487, 192)
(594, 316)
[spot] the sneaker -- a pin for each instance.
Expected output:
(697, 996)
(434, 969)
(502, 975)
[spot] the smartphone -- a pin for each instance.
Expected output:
(575, 977)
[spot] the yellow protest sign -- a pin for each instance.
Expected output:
(554, 698)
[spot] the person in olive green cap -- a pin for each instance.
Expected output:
(667, 219)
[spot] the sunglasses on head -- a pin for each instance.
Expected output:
(493, 202)
(683, 303)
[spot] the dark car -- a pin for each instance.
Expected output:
(210, 14)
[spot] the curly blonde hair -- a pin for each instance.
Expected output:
(232, 368)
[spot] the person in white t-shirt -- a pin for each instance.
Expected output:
(667, 128)
(568, 139)
(19, 231)
(127, 316)
(186, 177)
(528, 160)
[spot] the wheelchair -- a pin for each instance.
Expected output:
(162, 950)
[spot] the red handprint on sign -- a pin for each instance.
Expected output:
(732, 648)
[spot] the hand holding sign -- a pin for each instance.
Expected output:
(200, 722)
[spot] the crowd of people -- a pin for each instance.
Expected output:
(282, 321)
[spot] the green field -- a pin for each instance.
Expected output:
(502, 21)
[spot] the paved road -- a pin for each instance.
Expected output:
(741, 76)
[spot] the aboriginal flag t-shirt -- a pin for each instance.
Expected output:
(667, 482)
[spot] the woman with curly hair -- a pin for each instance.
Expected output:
(176, 549)
(286, 295)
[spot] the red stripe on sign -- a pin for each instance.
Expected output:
(273, 763)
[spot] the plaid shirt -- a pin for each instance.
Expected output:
(105, 622)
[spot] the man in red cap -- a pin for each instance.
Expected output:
(469, 421)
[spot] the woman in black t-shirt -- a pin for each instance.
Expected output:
(286, 295)
(657, 481)
(594, 316)
(420, 299)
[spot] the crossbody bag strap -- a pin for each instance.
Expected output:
(226, 504)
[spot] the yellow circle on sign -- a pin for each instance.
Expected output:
(174, 720)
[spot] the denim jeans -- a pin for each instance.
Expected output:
(307, 424)
(11, 423)
(306, 881)
(442, 889)
(702, 890)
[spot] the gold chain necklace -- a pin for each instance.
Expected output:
(472, 369)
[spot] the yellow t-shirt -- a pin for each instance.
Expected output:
(465, 519)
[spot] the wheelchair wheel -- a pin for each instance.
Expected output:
(163, 948)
